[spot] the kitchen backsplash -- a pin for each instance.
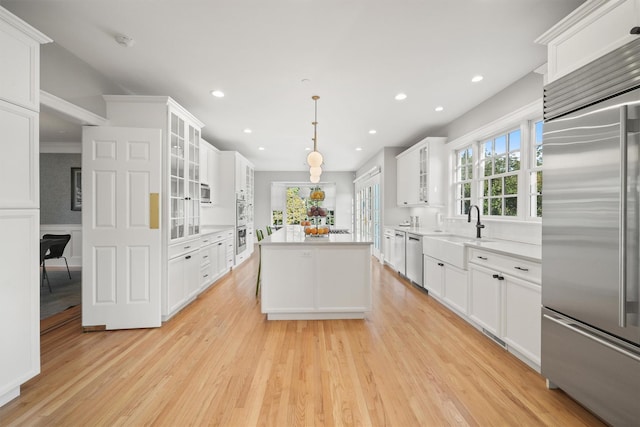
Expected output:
(519, 231)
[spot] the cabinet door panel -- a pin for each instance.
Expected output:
(433, 276)
(522, 317)
(19, 163)
(19, 305)
(485, 304)
(456, 289)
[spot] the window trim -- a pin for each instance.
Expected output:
(523, 119)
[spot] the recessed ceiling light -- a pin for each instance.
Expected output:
(476, 79)
(439, 108)
(373, 131)
(247, 130)
(401, 96)
(261, 148)
(307, 149)
(217, 93)
(358, 148)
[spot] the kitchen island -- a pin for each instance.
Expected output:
(305, 277)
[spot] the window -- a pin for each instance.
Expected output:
(463, 176)
(500, 165)
(290, 202)
(535, 176)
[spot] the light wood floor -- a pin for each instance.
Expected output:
(411, 362)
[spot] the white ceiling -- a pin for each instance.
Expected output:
(356, 54)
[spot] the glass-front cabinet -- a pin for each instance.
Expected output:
(184, 215)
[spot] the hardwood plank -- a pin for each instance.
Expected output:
(219, 362)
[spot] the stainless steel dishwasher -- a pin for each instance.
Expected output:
(399, 252)
(414, 258)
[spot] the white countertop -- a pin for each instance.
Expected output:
(527, 251)
(206, 229)
(507, 247)
(294, 234)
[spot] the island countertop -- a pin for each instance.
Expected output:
(294, 234)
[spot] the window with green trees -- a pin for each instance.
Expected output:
(501, 173)
(500, 165)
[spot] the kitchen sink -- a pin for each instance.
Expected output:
(449, 248)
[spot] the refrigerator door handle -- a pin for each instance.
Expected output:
(593, 337)
(622, 264)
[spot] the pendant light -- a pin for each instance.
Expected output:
(314, 159)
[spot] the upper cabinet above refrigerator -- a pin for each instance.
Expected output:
(589, 32)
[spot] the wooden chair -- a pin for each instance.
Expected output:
(269, 230)
(259, 236)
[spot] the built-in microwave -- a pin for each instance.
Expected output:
(205, 193)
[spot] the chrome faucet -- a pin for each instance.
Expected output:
(479, 226)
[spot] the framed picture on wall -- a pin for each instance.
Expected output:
(76, 189)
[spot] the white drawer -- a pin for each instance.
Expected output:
(184, 247)
(512, 266)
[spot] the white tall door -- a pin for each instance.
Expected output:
(121, 170)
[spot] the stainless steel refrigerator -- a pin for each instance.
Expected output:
(591, 236)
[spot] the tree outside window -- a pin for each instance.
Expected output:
(500, 166)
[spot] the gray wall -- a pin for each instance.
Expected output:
(68, 77)
(386, 159)
(262, 194)
(515, 96)
(55, 189)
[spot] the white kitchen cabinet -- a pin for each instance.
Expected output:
(433, 280)
(523, 305)
(215, 249)
(447, 283)
(421, 174)
(184, 283)
(486, 299)
(388, 245)
(19, 163)
(589, 32)
(505, 299)
(19, 204)
(408, 182)
(180, 195)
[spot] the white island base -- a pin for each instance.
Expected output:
(315, 278)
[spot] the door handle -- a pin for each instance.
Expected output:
(586, 334)
(622, 263)
(154, 211)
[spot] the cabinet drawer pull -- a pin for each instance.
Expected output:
(500, 277)
(220, 244)
(521, 268)
(205, 276)
(187, 257)
(495, 276)
(206, 256)
(187, 247)
(441, 264)
(484, 258)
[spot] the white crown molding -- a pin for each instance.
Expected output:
(71, 111)
(61, 147)
(578, 15)
(22, 26)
